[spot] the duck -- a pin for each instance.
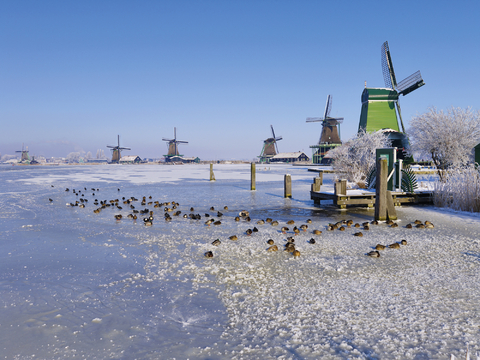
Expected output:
(268, 220)
(341, 228)
(260, 222)
(50, 199)
(420, 226)
(274, 223)
(296, 230)
(216, 223)
(243, 213)
(237, 218)
(225, 207)
(148, 223)
(373, 253)
(360, 234)
(290, 239)
(284, 229)
(357, 225)
(289, 247)
(212, 209)
(270, 242)
(210, 221)
(403, 242)
(366, 227)
(216, 242)
(317, 232)
(409, 226)
(255, 229)
(374, 222)
(417, 222)
(380, 247)
(429, 226)
(290, 222)
(309, 221)
(219, 214)
(272, 248)
(118, 217)
(330, 228)
(394, 225)
(249, 232)
(303, 227)
(394, 246)
(311, 241)
(209, 254)
(247, 218)
(233, 237)
(296, 254)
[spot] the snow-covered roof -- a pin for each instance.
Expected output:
(288, 155)
(129, 158)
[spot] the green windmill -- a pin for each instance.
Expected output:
(380, 106)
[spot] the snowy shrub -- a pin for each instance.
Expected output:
(447, 138)
(459, 190)
(354, 159)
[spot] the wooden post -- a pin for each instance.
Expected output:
(287, 186)
(317, 182)
(252, 177)
(341, 187)
(384, 207)
(212, 176)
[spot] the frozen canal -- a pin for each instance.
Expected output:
(79, 284)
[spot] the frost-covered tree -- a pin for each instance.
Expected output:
(73, 157)
(88, 156)
(354, 159)
(448, 138)
(100, 154)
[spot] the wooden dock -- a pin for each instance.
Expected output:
(367, 198)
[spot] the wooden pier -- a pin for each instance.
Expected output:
(343, 197)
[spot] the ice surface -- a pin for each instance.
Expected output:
(75, 284)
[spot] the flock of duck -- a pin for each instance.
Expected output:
(171, 209)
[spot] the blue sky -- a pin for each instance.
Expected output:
(74, 74)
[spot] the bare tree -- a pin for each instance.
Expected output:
(354, 159)
(448, 138)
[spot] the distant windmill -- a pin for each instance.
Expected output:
(172, 145)
(116, 155)
(330, 133)
(378, 105)
(270, 146)
(24, 151)
(330, 136)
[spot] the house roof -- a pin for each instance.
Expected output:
(129, 158)
(288, 155)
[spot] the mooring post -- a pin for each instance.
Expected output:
(252, 177)
(317, 182)
(212, 176)
(384, 207)
(288, 186)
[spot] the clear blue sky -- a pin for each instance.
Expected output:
(74, 74)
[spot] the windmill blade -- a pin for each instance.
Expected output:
(387, 67)
(278, 138)
(328, 106)
(273, 132)
(181, 142)
(175, 133)
(165, 139)
(410, 83)
(314, 119)
(124, 148)
(340, 120)
(400, 115)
